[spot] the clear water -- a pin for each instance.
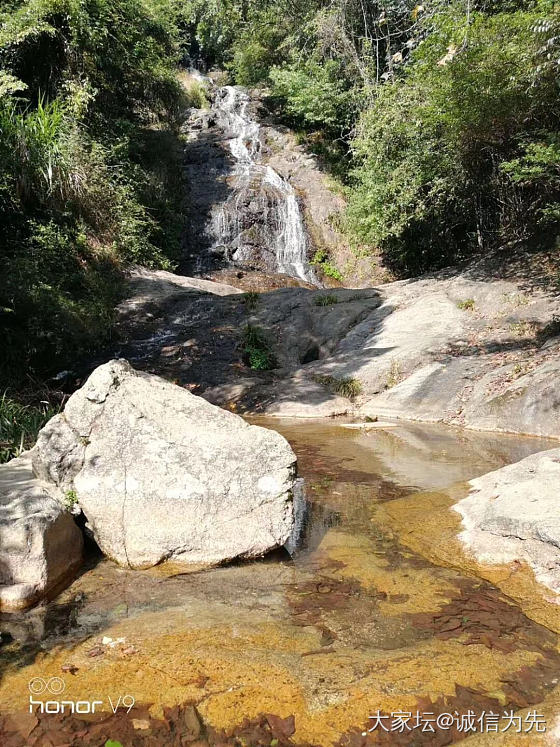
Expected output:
(378, 609)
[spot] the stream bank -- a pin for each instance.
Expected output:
(367, 616)
(478, 348)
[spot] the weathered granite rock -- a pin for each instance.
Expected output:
(477, 348)
(40, 544)
(161, 474)
(513, 514)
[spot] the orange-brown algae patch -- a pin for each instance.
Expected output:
(399, 680)
(427, 524)
(245, 669)
(415, 589)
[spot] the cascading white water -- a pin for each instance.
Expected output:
(275, 204)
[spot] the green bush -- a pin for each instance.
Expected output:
(321, 260)
(257, 352)
(454, 155)
(89, 168)
(316, 94)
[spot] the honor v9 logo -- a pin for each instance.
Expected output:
(55, 686)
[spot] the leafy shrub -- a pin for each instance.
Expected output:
(441, 153)
(316, 94)
(468, 304)
(88, 98)
(321, 260)
(257, 351)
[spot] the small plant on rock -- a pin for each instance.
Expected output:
(70, 499)
(552, 329)
(394, 376)
(321, 259)
(328, 300)
(523, 329)
(346, 387)
(468, 304)
(257, 351)
(251, 300)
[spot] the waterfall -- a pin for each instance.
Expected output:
(260, 220)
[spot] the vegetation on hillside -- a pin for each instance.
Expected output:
(88, 171)
(441, 117)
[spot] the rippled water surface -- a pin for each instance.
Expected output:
(378, 610)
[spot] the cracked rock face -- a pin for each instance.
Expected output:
(162, 474)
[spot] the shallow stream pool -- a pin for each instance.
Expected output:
(379, 611)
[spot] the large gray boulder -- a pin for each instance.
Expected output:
(40, 544)
(162, 474)
(514, 514)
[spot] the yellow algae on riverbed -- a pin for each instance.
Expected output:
(415, 589)
(255, 666)
(427, 524)
(381, 610)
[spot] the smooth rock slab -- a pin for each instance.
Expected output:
(514, 514)
(162, 474)
(40, 544)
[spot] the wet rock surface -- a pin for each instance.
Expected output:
(242, 212)
(162, 474)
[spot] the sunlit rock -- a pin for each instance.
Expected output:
(162, 474)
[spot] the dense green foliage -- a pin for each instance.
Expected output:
(441, 117)
(88, 96)
(475, 160)
(257, 351)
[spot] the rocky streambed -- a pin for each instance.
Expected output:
(380, 609)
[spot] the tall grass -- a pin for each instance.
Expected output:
(38, 148)
(90, 170)
(19, 425)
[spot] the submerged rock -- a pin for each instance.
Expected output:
(512, 514)
(40, 544)
(162, 474)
